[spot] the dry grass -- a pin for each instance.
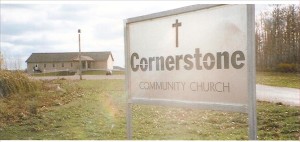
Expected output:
(25, 98)
(15, 82)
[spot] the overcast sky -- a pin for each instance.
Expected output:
(35, 28)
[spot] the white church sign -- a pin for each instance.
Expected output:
(198, 56)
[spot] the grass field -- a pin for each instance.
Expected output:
(291, 80)
(97, 111)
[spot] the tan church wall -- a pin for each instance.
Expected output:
(49, 66)
(30, 67)
(110, 63)
(100, 65)
(67, 66)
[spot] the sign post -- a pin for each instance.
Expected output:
(251, 73)
(200, 56)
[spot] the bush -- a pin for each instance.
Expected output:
(283, 67)
(15, 82)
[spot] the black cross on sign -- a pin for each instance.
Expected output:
(176, 25)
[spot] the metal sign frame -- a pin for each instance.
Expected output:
(251, 72)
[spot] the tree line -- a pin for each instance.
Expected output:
(277, 37)
(10, 63)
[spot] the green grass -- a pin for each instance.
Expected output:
(278, 122)
(291, 80)
(97, 111)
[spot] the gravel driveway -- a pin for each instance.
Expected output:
(288, 96)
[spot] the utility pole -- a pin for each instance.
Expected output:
(79, 55)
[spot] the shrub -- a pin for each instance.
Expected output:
(15, 82)
(283, 67)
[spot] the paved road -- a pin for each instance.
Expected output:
(288, 96)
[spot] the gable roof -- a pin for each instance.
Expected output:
(83, 58)
(66, 56)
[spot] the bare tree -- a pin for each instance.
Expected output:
(19, 63)
(278, 37)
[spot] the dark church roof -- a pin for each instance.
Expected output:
(66, 56)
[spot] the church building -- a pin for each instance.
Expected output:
(69, 61)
